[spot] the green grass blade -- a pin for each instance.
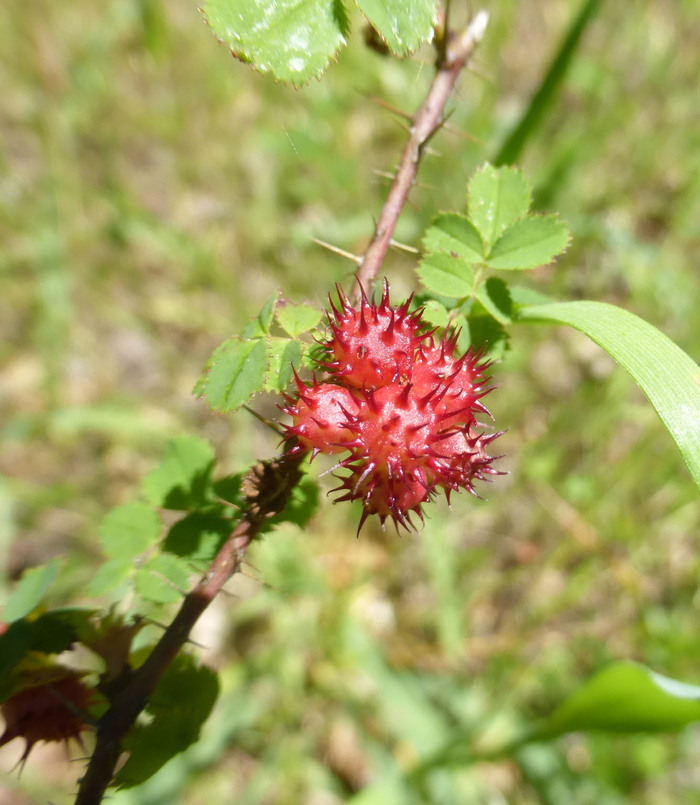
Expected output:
(543, 98)
(666, 374)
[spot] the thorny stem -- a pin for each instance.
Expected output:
(133, 688)
(427, 120)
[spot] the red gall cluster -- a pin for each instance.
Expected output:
(401, 404)
(49, 707)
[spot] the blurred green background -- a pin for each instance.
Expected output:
(153, 193)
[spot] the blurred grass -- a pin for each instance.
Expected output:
(153, 192)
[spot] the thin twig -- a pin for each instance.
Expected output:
(132, 689)
(337, 250)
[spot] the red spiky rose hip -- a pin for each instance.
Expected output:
(401, 405)
(320, 415)
(372, 346)
(47, 707)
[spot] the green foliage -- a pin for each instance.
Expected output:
(456, 235)
(30, 591)
(295, 40)
(292, 40)
(669, 377)
(283, 354)
(260, 361)
(298, 319)
(164, 579)
(496, 299)
(452, 275)
(159, 571)
(498, 233)
(50, 633)
(198, 536)
(177, 709)
(403, 26)
(302, 505)
(235, 372)
(625, 697)
(529, 243)
(181, 480)
(129, 530)
(496, 199)
(590, 538)
(110, 575)
(545, 95)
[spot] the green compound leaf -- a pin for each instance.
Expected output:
(30, 591)
(298, 319)
(403, 26)
(180, 481)
(497, 198)
(110, 575)
(292, 39)
(282, 355)
(260, 326)
(129, 530)
(455, 234)
(236, 371)
(164, 579)
(529, 243)
(668, 377)
(179, 706)
(446, 275)
(494, 295)
(625, 697)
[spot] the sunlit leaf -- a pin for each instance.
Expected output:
(283, 353)
(292, 39)
(446, 274)
(129, 530)
(236, 371)
(30, 591)
(668, 377)
(260, 326)
(163, 579)
(110, 574)
(532, 242)
(298, 319)
(498, 197)
(625, 697)
(456, 234)
(403, 26)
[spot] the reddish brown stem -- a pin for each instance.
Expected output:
(425, 123)
(131, 690)
(130, 700)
